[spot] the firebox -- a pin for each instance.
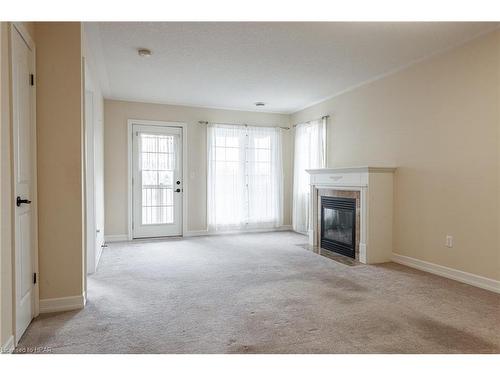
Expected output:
(338, 225)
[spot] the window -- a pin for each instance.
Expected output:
(244, 177)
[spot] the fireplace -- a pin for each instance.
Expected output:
(338, 225)
(372, 189)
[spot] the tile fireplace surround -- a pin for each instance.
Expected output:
(374, 187)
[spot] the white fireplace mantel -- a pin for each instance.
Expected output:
(375, 185)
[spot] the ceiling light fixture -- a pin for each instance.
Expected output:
(260, 104)
(144, 52)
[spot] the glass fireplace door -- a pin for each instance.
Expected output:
(338, 225)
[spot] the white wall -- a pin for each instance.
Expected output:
(116, 114)
(438, 122)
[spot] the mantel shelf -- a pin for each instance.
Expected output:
(365, 169)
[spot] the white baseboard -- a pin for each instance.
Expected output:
(195, 233)
(115, 238)
(450, 273)
(8, 347)
(62, 304)
(362, 252)
(205, 232)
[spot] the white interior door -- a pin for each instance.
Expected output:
(157, 181)
(24, 137)
(99, 186)
(89, 183)
(94, 176)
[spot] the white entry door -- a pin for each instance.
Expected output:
(157, 181)
(24, 181)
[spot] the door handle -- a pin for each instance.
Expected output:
(20, 201)
(177, 190)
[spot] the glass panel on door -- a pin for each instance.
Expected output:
(157, 163)
(157, 181)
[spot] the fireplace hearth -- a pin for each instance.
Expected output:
(338, 225)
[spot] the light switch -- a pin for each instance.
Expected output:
(449, 241)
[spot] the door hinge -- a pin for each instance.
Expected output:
(34, 278)
(32, 80)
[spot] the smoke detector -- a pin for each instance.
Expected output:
(144, 52)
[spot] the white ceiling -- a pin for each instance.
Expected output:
(289, 66)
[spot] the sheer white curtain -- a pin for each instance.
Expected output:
(310, 152)
(245, 177)
(226, 177)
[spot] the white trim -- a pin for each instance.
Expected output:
(36, 305)
(62, 304)
(362, 169)
(196, 233)
(185, 179)
(450, 273)
(116, 238)
(24, 34)
(89, 176)
(130, 174)
(8, 347)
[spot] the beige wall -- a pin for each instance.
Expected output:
(116, 114)
(438, 122)
(6, 199)
(59, 128)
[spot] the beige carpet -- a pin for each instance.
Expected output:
(264, 293)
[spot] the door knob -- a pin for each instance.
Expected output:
(20, 201)
(177, 190)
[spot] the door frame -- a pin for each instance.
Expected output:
(90, 211)
(183, 126)
(20, 28)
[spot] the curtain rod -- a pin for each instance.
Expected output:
(307, 122)
(225, 123)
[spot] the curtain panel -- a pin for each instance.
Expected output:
(245, 177)
(310, 153)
